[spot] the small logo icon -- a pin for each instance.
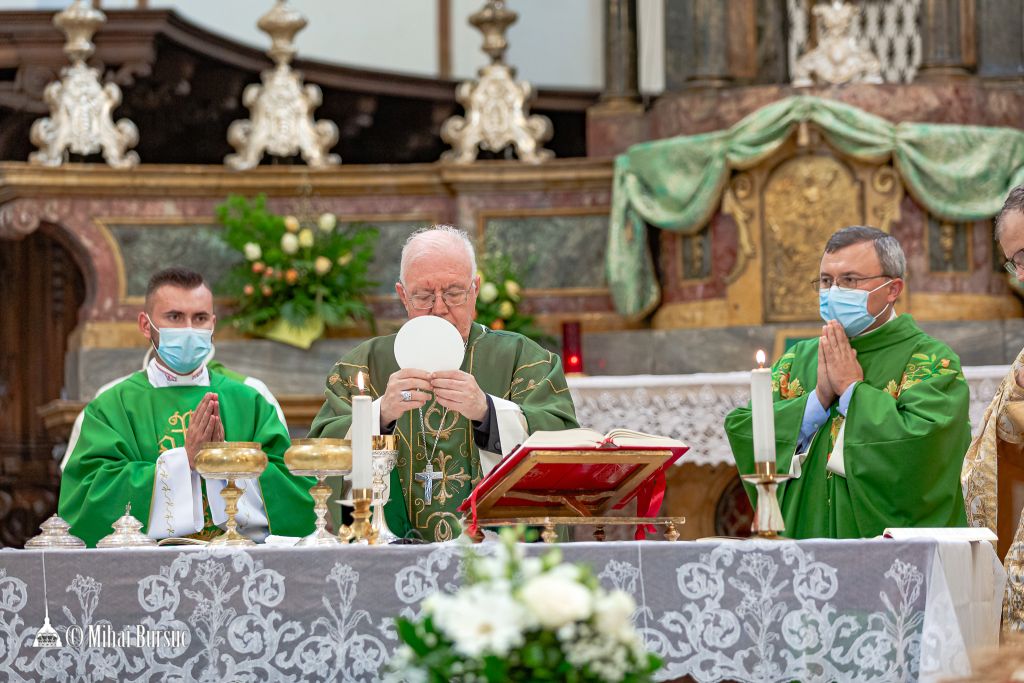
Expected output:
(47, 636)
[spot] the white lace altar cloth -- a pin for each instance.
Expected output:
(876, 610)
(692, 408)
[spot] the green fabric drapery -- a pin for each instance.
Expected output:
(960, 173)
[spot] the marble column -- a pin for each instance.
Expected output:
(621, 75)
(1001, 39)
(947, 38)
(617, 120)
(696, 44)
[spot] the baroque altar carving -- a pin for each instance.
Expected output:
(839, 56)
(792, 204)
(282, 107)
(81, 109)
(497, 106)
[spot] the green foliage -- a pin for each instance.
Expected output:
(497, 302)
(295, 272)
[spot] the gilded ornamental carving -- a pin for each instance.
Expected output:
(497, 106)
(81, 109)
(282, 107)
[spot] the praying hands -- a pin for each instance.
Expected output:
(838, 367)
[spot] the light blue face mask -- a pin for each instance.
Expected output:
(183, 349)
(849, 307)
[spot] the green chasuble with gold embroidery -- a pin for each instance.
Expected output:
(505, 364)
(906, 432)
(127, 427)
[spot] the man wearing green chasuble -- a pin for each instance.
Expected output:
(139, 439)
(451, 427)
(871, 418)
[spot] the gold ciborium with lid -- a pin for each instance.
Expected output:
(320, 458)
(231, 460)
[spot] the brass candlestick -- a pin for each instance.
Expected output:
(231, 460)
(768, 522)
(362, 531)
(320, 458)
(385, 455)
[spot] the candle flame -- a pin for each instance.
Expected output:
(359, 381)
(760, 358)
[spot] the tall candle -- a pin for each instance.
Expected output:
(763, 412)
(362, 465)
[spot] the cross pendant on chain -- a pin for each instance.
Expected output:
(428, 476)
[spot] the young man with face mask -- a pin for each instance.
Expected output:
(139, 439)
(871, 418)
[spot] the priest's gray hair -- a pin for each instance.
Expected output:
(1014, 202)
(455, 235)
(890, 253)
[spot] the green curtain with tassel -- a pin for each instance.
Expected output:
(959, 173)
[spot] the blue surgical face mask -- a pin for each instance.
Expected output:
(849, 307)
(183, 349)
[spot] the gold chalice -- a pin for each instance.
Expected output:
(320, 458)
(231, 460)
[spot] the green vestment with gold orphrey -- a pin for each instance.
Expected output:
(906, 434)
(129, 426)
(505, 364)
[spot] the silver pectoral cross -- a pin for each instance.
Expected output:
(428, 476)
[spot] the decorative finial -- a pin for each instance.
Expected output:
(282, 108)
(497, 106)
(81, 110)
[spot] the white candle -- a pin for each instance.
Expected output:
(763, 411)
(362, 466)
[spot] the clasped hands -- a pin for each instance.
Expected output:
(838, 367)
(204, 425)
(454, 389)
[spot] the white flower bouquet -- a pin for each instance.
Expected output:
(524, 619)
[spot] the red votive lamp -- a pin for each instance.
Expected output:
(572, 348)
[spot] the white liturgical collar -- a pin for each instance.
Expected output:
(160, 377)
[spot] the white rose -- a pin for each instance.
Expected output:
(613, 614)
(306, 238)
(291, 223)
(506, 309)
(252, 251)
(481, 618)
(322, 265)
(289, 243)
(556, 601)
(327, 222)
(513, 289)
(488, 292)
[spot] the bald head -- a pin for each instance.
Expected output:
(440, 242)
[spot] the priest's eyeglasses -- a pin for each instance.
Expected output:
(1014, 263)
(844, 281)
(450, 297)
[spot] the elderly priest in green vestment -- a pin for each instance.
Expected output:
(451, 427)
(139, 438)
(871, 418)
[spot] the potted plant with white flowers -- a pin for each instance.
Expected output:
(524, 619)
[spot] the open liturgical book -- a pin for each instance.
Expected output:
(588, 438)
(576, 473)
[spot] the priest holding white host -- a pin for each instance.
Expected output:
(454, 425)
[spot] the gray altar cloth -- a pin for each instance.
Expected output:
(750, 611)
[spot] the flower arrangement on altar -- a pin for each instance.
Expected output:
(497, 303)
(520, 618)
(297, 277)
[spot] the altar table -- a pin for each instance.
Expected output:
(868, 610)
